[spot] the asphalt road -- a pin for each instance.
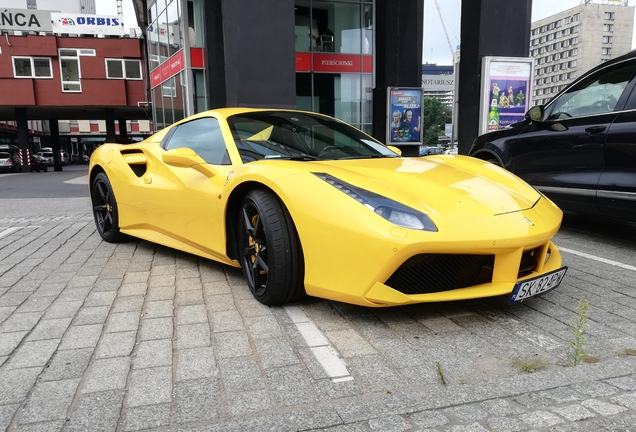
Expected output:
(135, 336)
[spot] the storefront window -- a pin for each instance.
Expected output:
(340, 36)
(195, 23)
(175, 41)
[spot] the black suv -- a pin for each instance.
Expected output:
(580, 148)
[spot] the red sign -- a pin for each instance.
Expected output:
(197, 58)
(167, 69)
(342, 63)
(339, 63)
(303, 62)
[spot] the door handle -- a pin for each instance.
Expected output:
(595, 130)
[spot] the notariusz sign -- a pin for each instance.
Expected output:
(25, 20)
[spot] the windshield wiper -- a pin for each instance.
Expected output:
(375, 156)
(304, 157)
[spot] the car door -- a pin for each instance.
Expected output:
(182, 202)
(617, 186)
(563, 155)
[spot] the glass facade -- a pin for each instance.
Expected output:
(334, 39)
(177, 92)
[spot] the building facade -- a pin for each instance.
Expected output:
(332, 42)
(567, 44)
(439, 82)
(59, 69)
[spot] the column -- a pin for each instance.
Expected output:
(398, 58)
(488, 28)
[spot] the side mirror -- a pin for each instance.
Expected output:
(535, 113)
(187, 158)
(395, 149)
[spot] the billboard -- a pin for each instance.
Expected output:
(87, 24)
(404, 119)
(25, 20)
(505, 91)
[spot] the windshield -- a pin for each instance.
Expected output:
(300, 136)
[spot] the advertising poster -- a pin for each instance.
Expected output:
(505, 92)
(404, 115)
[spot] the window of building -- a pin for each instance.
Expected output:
(607, 39)
(606, 51)
(70, 71)
(572, 63)
(575, 29)
(123, 69)
(609, 15)
(32, 67)
(575, 17)
(169, 88)
(608, 27)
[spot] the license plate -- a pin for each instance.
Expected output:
(535, 286)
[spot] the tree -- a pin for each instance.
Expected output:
(436, 115)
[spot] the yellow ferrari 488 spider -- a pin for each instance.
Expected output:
(307, 204)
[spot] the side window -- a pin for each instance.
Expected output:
(596, 94)
(204, 137)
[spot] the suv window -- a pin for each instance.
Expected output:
(595, 94)
(204, 137)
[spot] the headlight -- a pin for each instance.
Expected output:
(391, 210)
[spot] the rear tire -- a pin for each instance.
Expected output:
(105, 209)
(269, 249)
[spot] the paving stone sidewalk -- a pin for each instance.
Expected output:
(135, 336)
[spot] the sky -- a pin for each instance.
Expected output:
(109, 7)
(435, 48)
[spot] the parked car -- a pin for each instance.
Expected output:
(47, 156)
(9, 160)
(307, 204)
(38, 163)
(425, 151)
(579, 149)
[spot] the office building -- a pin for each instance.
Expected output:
(568, 44)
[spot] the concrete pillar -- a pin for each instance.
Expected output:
(488, 28)
(23, 138)
(251, 56)
(123, 129)
(54, 129)
(398, 58)
(109, 116)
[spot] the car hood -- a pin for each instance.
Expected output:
(437, 185)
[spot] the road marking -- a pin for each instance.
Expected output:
(319, 345)
(9, 231)
(595, 258)
(78, 180)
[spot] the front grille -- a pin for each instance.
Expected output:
(431, 273)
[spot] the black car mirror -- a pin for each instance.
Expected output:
(535, 113)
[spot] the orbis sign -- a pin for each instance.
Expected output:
(87, 24)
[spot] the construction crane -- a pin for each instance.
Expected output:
(439, 11)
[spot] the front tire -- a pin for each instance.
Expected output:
(105, 209)
(269, 249)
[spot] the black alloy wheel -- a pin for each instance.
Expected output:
(269, 248)
(105, 209)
